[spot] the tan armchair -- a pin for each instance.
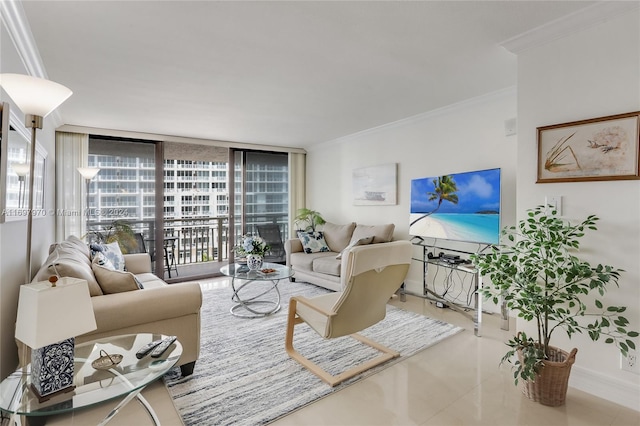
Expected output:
(371, 274)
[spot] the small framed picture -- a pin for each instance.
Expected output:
(605, 148)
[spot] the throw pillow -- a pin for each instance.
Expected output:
(361, 242)
(112, 281)
(70, 258)
(100, 259)
(338, 236)
(112, 252)
(313, 242)
(381, 233)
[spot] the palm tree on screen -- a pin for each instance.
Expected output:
(444, 190)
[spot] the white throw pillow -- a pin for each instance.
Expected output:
(359, 242)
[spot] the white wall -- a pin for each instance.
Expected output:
(592, 73)
(459, 138)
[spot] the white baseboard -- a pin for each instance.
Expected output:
(606, 387)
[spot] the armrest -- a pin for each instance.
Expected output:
(138, 263)
(121, 310)
(292, 246)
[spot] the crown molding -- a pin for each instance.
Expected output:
(569, 24)
(17, 25)
(428, 115)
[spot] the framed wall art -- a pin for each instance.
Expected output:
(604, 148)
(375, 185)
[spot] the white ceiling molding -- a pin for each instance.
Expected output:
(467, 103)
(567, 25)
(14, 19)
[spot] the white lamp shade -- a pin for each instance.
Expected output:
(33, 95)
(21, 169)
(88, 172)
(47, 314)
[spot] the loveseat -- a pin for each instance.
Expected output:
(134, 301)
(315, 257)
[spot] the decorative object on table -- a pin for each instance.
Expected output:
(254, 249)
(604, 148)
(375, 185)
(254, 262)
(309, 218)
(49, 317)
(106, 361)
(539, 278)
(36, 98)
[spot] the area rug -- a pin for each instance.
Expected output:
(244, 376)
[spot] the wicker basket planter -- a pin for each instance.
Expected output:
(550, 386)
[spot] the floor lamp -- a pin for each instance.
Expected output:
(22, 170)
(88, 173)
(36, 98)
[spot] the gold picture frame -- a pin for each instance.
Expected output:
(604, 148)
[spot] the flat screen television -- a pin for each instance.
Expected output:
(459, 207)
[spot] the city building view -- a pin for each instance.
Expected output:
(195, 198)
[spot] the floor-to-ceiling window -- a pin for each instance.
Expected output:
(261, 191)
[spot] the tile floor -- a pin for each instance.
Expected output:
(456, 382)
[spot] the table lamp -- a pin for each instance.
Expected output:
(50, 315)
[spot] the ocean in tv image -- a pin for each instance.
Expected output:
(460, 206)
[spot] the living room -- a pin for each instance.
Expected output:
(577, 70)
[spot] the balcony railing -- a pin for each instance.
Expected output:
(190, 240)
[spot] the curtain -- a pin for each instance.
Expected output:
(72, 151)
(297, 187)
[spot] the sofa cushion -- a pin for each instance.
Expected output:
(112, 281)
(338, 236)
(380, 233)
(70, 258)
(313, 242)
(361, 242)
(304, 262)
(327, 265)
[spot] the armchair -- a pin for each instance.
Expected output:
(370, 275)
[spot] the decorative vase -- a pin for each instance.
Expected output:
(254, 262)
(550, 386)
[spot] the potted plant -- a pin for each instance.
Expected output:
(309, 218)
(540, 278)
(119, 231)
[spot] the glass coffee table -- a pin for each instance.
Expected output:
(246, 283)
(94, 386)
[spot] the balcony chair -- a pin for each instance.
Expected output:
(371, 274)
(270, 233)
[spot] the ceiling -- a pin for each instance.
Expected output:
(290, 74)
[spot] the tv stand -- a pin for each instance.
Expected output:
(459, 276)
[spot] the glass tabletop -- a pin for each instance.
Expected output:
(235, 270)
(92, 386)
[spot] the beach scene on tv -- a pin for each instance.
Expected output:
(460, 206)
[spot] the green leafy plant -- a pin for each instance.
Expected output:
(309, 218)
(541, 279)
(118, 231)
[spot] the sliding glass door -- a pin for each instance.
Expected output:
(261, 191)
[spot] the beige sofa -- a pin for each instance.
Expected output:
(324, 268)
(156, 308)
